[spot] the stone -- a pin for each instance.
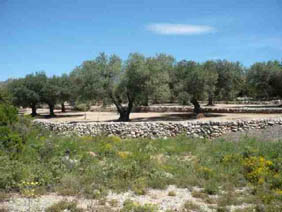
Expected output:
(156, 129)
(93, 154)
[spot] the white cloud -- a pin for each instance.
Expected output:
(179, 29)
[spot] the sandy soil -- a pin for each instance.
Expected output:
(149, 116)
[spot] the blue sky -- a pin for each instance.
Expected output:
(57, 35)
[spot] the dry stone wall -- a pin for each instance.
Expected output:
(210, 129)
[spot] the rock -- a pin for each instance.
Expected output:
(156, 129)
(93, 154)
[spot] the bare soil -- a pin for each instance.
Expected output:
(145, 116)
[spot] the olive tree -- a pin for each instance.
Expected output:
(276, 81)
(230, 79)
(191, 80)
(124, 84)
(65, 90)
(264, 80)
(157, 86)
(50, 93)
(27, 92)
(109, 80)
(87, 79)
(211, 77)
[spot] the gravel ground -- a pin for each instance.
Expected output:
(153, 196)
(157, 197)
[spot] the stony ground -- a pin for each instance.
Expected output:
(162, 199)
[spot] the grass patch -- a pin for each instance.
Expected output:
(132, 206)
(171, 193)
(190, 206)
(4, 196)
(64, 206)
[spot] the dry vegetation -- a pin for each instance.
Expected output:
(220, 175)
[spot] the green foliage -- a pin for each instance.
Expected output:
(38, 88)
(82, 106)
(93, 166)
(191, 79)
(8, 115)
(230, 79)
(5, 96)
(64, 206)
(10, 141)
(264, 79)
(64, 88)
(140, 81)
(51, 93)
(190, 206)
(129, 205)
(27, 92)
(211, 77)
(157, 85)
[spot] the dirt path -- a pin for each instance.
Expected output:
(151, 116)
(147, 116)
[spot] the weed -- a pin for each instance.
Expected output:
(64, 205)
(27, 188)
(203, 196)
(4, 196)
(139, 164)
(129, 205)
(113, 203)
(171, 193)
(191, 206)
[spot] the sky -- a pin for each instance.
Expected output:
(55, 36)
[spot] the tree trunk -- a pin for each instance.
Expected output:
(51, 108)
(124, 112)
(63, 107)
(210, 101)
(33, 109)
(124, 116)
(197, 107)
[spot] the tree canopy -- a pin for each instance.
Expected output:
(141, 80)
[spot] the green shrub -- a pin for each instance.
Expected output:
(129, 205)
(8, 115)
(82, 107)
(65, 165)
(183, 98)
(64, 206)
(10, 141)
